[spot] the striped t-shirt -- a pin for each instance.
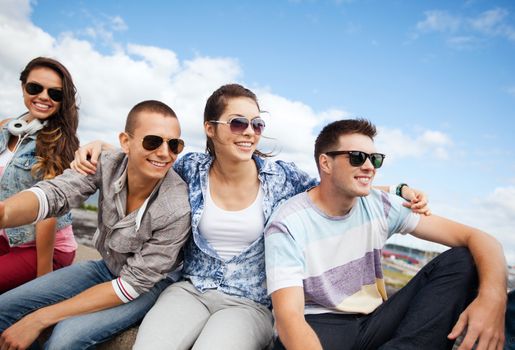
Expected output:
(337, 260)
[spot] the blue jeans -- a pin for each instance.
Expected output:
(78, 332)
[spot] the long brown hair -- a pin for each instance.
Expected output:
(215, 107)
(57, 141)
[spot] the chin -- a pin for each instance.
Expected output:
(363, 193)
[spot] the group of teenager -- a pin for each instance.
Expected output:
(227, 248)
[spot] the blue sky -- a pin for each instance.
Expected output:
(436, 77)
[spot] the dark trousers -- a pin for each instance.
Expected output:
(510, 322)
(419, 316)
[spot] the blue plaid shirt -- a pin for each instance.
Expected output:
(244, 274)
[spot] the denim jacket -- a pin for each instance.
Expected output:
(17, 177)
(244, 274)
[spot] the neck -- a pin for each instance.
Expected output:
(138, 189)
(233, 172)
(330, 201)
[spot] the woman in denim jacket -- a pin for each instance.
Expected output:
(38, 145)
(233, 189)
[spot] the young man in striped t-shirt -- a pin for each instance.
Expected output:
(323, 263)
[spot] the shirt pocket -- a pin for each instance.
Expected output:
(22, 171)
(125, 240)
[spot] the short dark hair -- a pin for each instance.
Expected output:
(146, 106)
(328, 139)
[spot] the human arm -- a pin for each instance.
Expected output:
(45, 239)
(86, 157)
(415, 199)
(24, 332)
(484, 317)
(294, 331)
(20, 209)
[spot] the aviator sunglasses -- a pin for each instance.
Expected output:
(358, 158)
(239, 124)
(35, 89)
(153, 142)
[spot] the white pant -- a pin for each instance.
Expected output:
(184, 318)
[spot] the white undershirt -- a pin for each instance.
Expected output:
(5, 158)
(230, 232)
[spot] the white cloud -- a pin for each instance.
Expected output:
(511, 90)
(118, 24)
(502, 202)
(15, 11)
(439, 21)
(467, 32)
(398, 144)
(489, 21)
(464, 42)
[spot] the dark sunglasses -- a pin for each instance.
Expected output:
(153, 142)
(358, 158)
(35, 89)
(239, 124)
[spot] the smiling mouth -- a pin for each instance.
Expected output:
(364, 180)
(244, 144)
(41, 106)
(158, 164)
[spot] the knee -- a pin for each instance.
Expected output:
(460, 262)
(64, 343)
(63, 338)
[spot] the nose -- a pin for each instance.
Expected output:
(44, 94)
(368, 165)
(249, 130)
(164, 150)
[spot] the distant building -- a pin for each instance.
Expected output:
(412, 256)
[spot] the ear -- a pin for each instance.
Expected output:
(209, 129)
(124, 142)
(326, 164)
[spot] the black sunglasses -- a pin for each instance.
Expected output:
(239, 124)
(153, 142)
(358, 158)
(53, 93)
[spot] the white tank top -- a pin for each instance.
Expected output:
(230, 232)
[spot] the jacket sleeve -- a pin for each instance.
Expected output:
(68, 190)
(299, 179)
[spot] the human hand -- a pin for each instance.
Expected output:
(416, 200)
(86, 157)
(22, 334)
(483, 320)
